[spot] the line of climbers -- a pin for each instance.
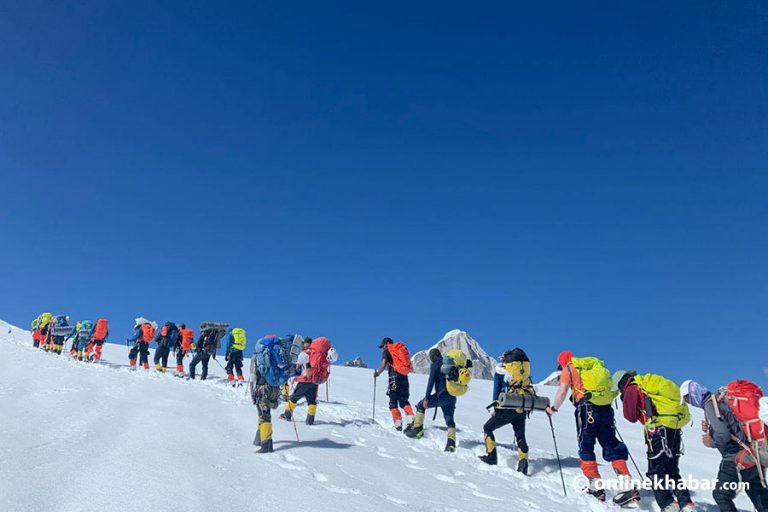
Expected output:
(735, 415)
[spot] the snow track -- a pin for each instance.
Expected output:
(99, 437)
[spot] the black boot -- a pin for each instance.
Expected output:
(450, 445)
(310, 419)
(286, 415)
(626, 498)
(522, 466)
(266, 446)
(490, 458)
(415, 432)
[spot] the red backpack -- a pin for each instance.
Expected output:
(318, 360)
(102, 328)
(743, 397)
(148, 332)
(401, 359)
(187, 338)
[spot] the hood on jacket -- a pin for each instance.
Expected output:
(696, 393)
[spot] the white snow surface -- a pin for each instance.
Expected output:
(97, 437)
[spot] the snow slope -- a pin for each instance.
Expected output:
(77, 437)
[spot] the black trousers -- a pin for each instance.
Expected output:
(728, 474)
(201, 357)
(398, 391)
(504, 417)
(307, 390)
(236, 362)
(664, 449)
(161, 355)
(141, 348)
(180, 356)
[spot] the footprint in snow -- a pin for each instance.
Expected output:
(292, 458)
(382, 452)
(360, 441)
(445, 478)
(341, 490)
(485, 496)
(321, 477)
(395, 500)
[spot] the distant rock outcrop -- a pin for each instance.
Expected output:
(552, 380)
(356, 363)
(483, 365)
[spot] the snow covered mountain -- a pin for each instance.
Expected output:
(80, 437)
(483, 364)
(553, 379)
(356, 363)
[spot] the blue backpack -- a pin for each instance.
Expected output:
(273, 360)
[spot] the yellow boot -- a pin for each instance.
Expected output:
(490, 457)
(288, 413)
(522, 461)
(450, 445)
(311, 411)
(265, 437)
(417, 430)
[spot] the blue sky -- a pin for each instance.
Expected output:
(577, 177)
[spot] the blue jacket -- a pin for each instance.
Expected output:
(499, 385)
(436, 382)
(137, 334)
(228, 341)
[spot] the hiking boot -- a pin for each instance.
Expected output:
(627, 497)
(399, 428)
(415, 432)
(286, 416)
(266, 447)
(489, 458)
(672, 507)
(310, 419)
(592, 490)
(689, 507)
(450, 445)
(522, 466)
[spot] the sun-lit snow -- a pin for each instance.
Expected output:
(98, 437)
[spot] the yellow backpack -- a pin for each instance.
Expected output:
(457, 373)
(521, 376)
(665, 398)
(596, 379)
(238, 338)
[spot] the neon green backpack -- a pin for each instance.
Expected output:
(665, 398)
(45, 319)
(596, 379)
(238, 338)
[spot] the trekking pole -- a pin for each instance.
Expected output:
(373, 416)
(557, 453)
(640, 473)
(295, 429)
(326, 390)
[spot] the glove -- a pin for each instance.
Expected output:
(193, 346)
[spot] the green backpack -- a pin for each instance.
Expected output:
(596, 380)
(238, 338)
(665, 398)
